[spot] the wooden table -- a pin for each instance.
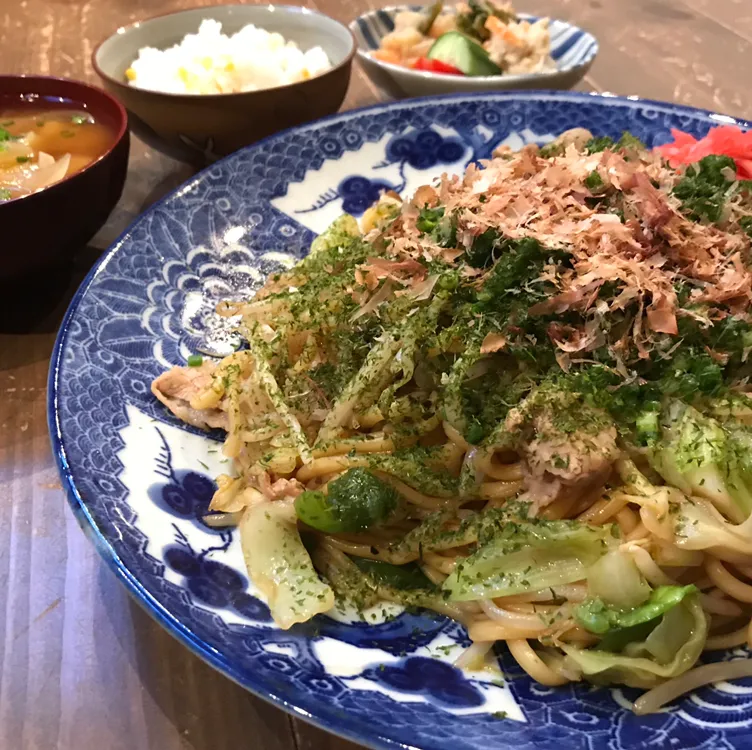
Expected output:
(81, 665)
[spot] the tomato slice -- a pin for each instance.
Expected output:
(436, 66)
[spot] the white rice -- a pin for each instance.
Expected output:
(210, 62)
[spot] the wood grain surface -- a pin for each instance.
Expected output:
(81, 666)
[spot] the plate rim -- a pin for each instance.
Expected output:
(342, 727)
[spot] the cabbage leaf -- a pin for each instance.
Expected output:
(279, 564)
(699, 456)
(340, 232)
(671, 648)
(698, 525)
(529, 556)
(597, 617)
(617, 580)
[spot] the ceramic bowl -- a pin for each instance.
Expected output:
(201, 128)
(41, 230)
(572, 49)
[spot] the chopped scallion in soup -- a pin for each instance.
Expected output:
(39, 148)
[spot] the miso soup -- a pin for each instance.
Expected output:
(41, 147)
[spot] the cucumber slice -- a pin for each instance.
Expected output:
(456, 49)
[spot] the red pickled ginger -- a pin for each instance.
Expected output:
(725, 140)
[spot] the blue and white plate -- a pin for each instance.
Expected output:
(139, 481)
(572, 49)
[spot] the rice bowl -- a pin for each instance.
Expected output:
(210, 62)
(199, 128)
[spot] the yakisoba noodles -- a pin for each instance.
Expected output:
(519, 399)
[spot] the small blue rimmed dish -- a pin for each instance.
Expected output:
(572, 49)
